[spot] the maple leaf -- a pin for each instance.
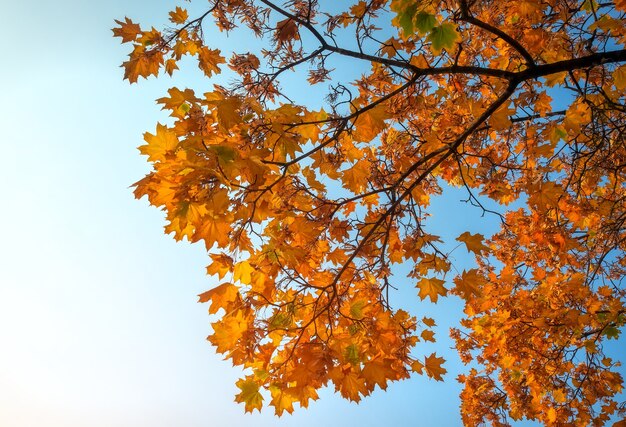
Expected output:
(178, 101)
(209, 59)
(242, 272)
(428, 335)
(179, 15)
(286, 30)
(433, 367)
(473, 242)
(222, 296)
(431, 288)
(282, 399)
(228, 331)
(424, 22)
(443, 36)
(351, 386)
(249, 395)
(500, 119)
(227, 112)
(213, 229)
(379, 372)
(221, 265)
(405, 17)
(160, 144)
(428, 322)
(356, 178)
(170, 66)
(370, 123)
(468, 283)
(142, 63)
(127, 30)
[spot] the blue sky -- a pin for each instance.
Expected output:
(99, 320)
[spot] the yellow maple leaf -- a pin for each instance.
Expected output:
(178, 101)
(228, 112)
(431, 288)
(249, 395)
(428, 322)
(282, 399)
(228, 331)
(242, 272)
(170, 66)
(142, 63)
(619, 77)
(159, 144)
(500, 119)
(545, 195)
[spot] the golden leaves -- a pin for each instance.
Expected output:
(310, 212)
(221, 265)
(282, 399)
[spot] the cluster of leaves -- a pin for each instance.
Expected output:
(305, 212)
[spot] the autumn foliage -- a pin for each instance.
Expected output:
(307, 212)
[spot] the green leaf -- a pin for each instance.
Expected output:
(611, 332)
(224, 153)
(405, 19)
(443, 36)
(352, 354)
(424, 22)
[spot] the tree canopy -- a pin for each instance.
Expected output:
(306, 213)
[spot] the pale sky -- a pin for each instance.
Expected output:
(99, 320)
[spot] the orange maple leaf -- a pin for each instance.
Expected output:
(473, 242)
(433, 367)
(127, 30)
(431, 288)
